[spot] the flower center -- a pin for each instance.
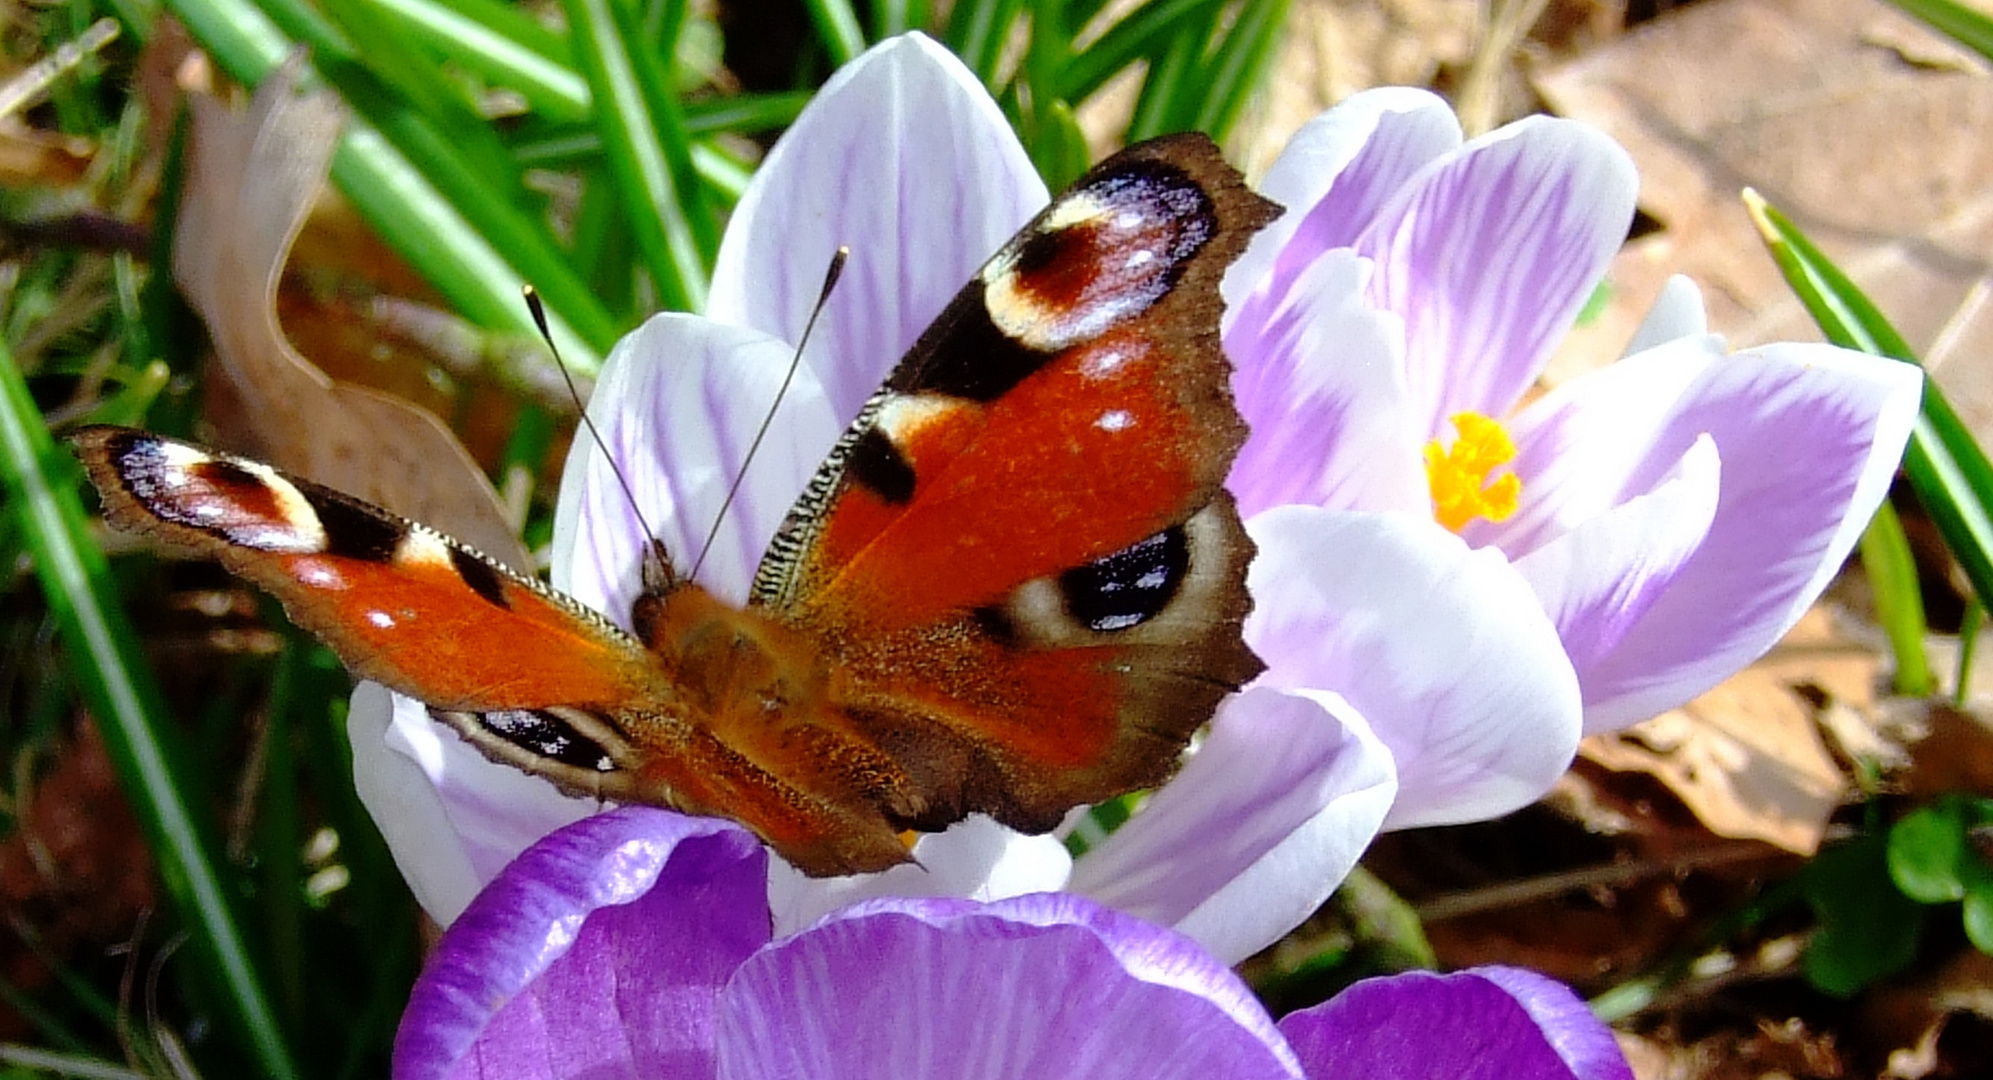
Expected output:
(1458, 474)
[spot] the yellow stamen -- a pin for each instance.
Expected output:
(1458, 475)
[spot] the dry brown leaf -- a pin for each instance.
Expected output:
(1747, 757)
(1874, 133)
(251, 182)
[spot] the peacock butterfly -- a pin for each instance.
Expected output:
(1015, 586)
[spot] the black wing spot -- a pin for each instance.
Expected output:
(877, 464)
(1129, 587)
(480, 576)
(355, 531)
(547, 736)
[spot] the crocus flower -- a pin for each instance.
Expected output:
(1673, 513)
(638, 944)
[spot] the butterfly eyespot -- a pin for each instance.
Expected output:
(546, 735)
(1131, 586)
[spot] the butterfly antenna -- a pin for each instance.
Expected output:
(656, 571)
(830, 277)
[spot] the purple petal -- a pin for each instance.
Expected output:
(1482, 1024)
(1320, 381)
(1443, 650)
(1809, 436)
(452, 818)
(1264, 821)
(903, 156)
(1599, 580)
(678, 404)
(599, 953)
(1490, 254)
(1335, 173)
(1038, 986)
(974, 858)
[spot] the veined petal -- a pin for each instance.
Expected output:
(1483, 1022)
(1334, 174)
(599, 953)
(1443, 649)
(1264, 821)
(1038, 986)
(1490, 253)
(1810, 436)
(678, 405)
(903, 156)
(975, 858)
(1678, 312)
(452, 818)
(1598, 580)
(1320, 381)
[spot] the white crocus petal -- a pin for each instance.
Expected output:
(904, 157)
(1590, 444)
(1810, 436)
(1264, 821)
(1678, 312)
(974, 858)
(1364, 149)
(1324, 398)
(451, 818)
(1443, 649)
(678, 405)
(1490, 253)
(1598, 579)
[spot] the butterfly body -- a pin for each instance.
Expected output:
(1015, 586)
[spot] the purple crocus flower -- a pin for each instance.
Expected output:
(638, 944)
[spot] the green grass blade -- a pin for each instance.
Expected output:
(116, 685)
(1892, 574)
(1240, 66)
(1969, 626)
(629, 89)
(1172, 74)
(837, 27)
(1972, 29)
(469, 267)
(1947, 469)
(502, 45)
(984, 26)
(1143, 34)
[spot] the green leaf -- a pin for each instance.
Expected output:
(837, 27)
(1927, 853)
(1947, 469)
(119, 691)
(1969, 27)
(1899, 599)
(1867, 929)
(1240, 65)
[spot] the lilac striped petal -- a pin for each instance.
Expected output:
(975, 858)
(904, 157)
(1488, 1023)
(1809, 436)
(1038, 986)
(1263, 822)
(598, 953)
(678, 404)
(1678, 312)
(1490, 254)
(1601, 578)
(1335, 173)
(452, 818)
(1443, 649)
(1320, 381)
